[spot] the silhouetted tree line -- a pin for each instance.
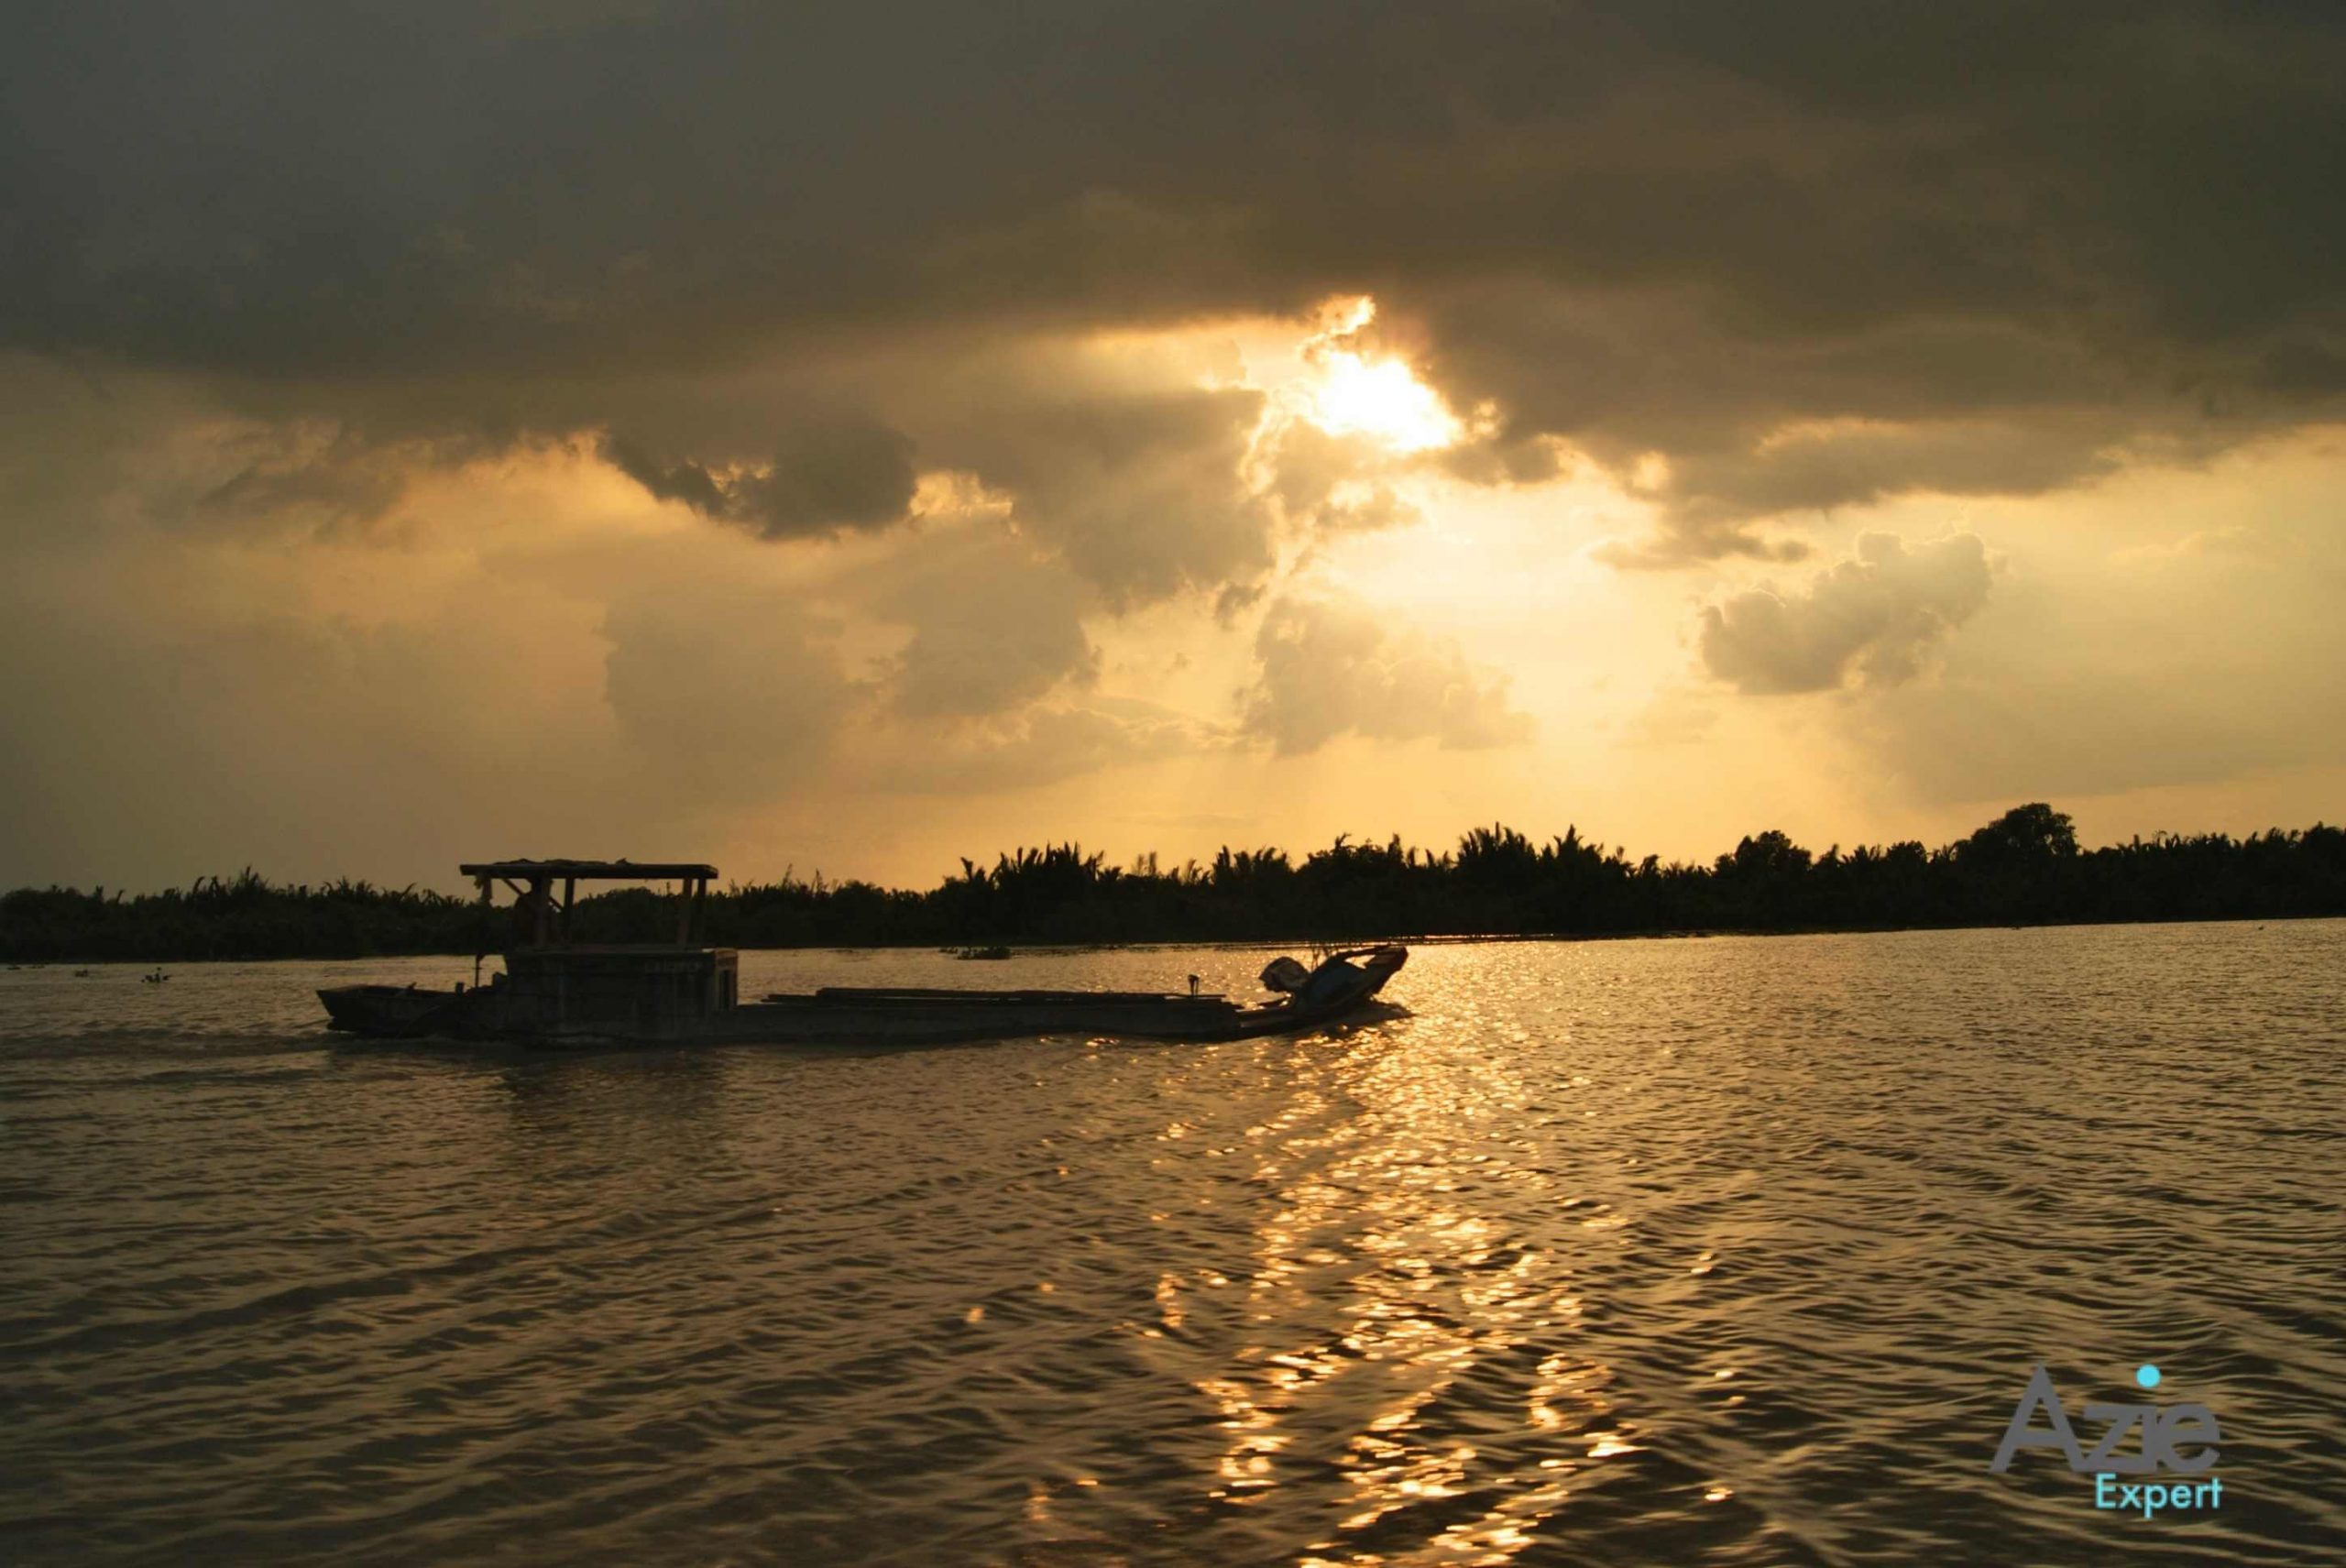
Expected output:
(2023, 868)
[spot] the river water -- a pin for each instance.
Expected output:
(1721, 1251)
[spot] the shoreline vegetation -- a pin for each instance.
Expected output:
(2024, 867)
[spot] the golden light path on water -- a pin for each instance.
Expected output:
(1731, 1251)
(1449, 1289)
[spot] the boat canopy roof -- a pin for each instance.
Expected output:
(593, 871)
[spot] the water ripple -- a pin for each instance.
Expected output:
(1731, 1251)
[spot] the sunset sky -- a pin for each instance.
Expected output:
(852, 440)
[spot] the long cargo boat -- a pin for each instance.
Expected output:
(556, 992)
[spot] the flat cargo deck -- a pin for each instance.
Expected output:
(951, 996)
(898, 1019)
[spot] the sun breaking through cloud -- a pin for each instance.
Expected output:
(633, 422)
(1352, 394)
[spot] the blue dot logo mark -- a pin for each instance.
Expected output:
(2147, 1375)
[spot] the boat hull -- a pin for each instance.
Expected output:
(392, 1011)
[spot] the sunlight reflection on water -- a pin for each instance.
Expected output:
(1735, 1250)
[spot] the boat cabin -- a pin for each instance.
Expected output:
(553, 985)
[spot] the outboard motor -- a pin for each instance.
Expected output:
(1284, 973)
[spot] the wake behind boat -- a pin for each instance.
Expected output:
(554, 991)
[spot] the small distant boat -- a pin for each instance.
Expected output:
(993, 952)
(554, 991)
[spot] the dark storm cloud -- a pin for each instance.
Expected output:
(1138, 490)
(2044, 237)
(821, 479)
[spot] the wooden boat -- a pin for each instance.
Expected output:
(554, 991)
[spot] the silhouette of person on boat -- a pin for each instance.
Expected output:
(533, 915)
